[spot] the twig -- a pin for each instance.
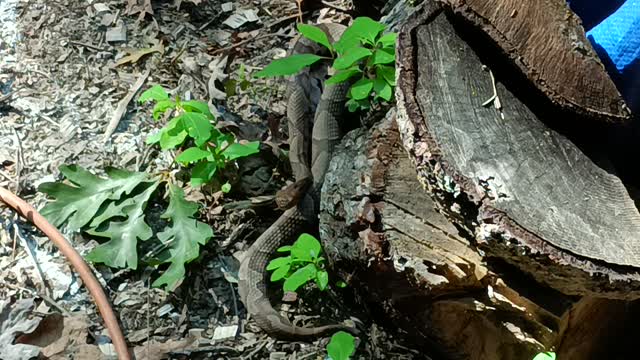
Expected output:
(88, 278)
(299, 3)
(19, 160)
(233, 46)
(182, 50)
(336, 7)
(44, 297)
(47, 119)
(32, 256)
(6, 97)
(495, 99)
(122, 106)
(90, 46)
(243, 42)
(148, 315)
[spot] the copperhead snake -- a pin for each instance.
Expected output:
(314, 131)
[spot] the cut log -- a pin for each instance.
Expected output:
(527, 193)
(409, 263)
(509, 241)
(546, 41)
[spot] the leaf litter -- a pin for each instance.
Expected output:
(65, 66)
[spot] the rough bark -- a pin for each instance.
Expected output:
(528, 194)
(546, 41)
(407, 261)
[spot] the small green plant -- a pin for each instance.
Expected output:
(113, 207)
(547, 355)
(303, 264)
(208, 150)
(363, 52)
(241, 82)
(341, 347)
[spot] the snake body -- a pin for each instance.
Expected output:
(314, 132)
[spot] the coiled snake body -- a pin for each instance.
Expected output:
(313, 134)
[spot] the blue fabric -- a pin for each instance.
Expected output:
(619, 35)
(614, 31)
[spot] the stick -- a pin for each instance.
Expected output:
(122, 106)
(88, 278)
(233, 46)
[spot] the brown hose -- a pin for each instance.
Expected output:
(89, 280)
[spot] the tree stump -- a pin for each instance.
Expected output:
(510, 240)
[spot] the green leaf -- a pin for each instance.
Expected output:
(238, 150)
(286, 248)
(168, 140)
(173, 134)
(343, 76)
(280, 273)
(361, 89)
(382, 89)
(226, 187)
(120, 250)
(351, 57)
(279, 262)
(384, 56)
(341, 284)
(322, 279)
(202, 173)
(161, 107)
(289, 65)
(306, 248)
(156, 93)
(153, 138)
(77, 204)
(388, 73)
(299, 278)
(355, 105)
(198, 126)
(182, 237)
(315, 34)
(197, 106)
(388, 40)
(362, 29)
(341, 346)
(549, 355)
(192, 155)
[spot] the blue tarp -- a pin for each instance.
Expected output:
(613, 27)
(619, 35)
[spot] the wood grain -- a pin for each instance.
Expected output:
(528, 194)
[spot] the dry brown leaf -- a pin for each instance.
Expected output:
(155, 350)
(139, 6)
(135, 55)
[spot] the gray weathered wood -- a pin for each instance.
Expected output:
(411, 266)
(528, 194)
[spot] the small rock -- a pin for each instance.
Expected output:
(228, 6)
(224, 332)
(101, 8)
(94, 90)
(117, 33)
(278, 355)
(107, 19)
(164, 309)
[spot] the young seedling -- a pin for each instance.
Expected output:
(208, 150)
(364, 55)
(304, 264)
(341, 347)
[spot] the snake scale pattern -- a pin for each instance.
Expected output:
(314, 132)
